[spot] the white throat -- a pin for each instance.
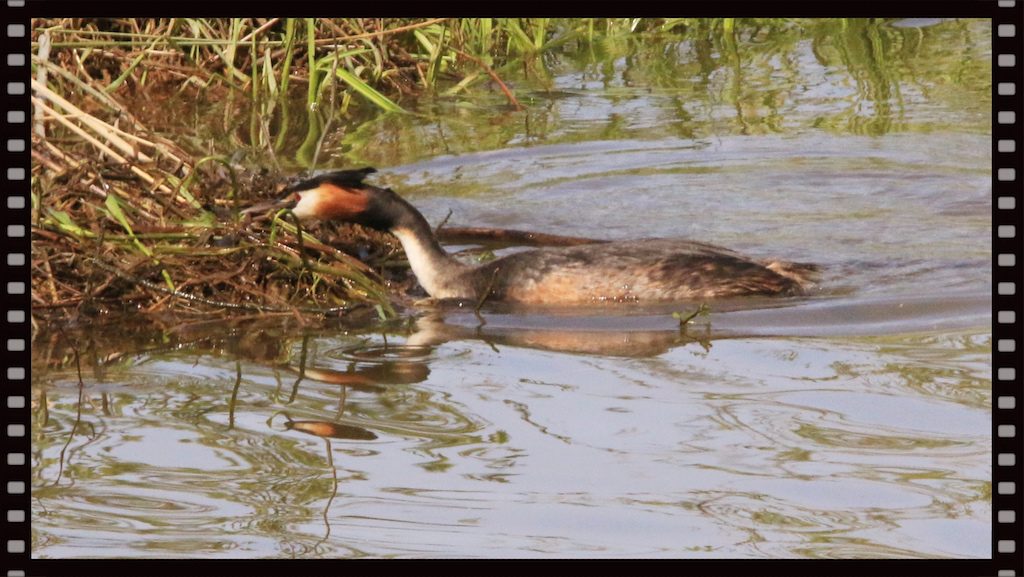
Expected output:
(428, 264)
(306, 208)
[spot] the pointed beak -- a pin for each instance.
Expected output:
(287, 202)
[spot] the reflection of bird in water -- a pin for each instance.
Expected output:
(433, 330)
(631, 271)
(329, 429)
(370, 377)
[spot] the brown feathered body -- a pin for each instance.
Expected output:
(649, 270)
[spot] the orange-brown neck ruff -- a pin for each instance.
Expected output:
(329, 202)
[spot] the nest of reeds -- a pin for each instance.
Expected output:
(142, 228)
(125, 220)
(103, 242)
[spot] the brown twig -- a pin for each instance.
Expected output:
(494, 76)
(483, 235)
(379, 32)
(444, 221)
(487, 291)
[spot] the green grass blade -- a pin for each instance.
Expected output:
(311, 88)
(64, 223)
(367, 92)
(128, 70)
(113, 206)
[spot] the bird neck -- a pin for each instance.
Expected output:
(435, 269)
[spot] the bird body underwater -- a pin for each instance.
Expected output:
(648, 270)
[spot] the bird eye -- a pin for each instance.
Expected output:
(298, 197)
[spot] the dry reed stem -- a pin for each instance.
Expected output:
(100, 127)
(104, 99)
(44, 55)
(248, 37)
(42, 159)
(102, 147)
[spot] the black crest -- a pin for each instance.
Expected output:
(348, 178)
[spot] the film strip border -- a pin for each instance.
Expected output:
(17, 298)
(1007, 397)
(1008, 394)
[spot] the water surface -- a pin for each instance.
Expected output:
(854, 422)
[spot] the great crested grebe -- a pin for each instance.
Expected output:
(632, 271)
